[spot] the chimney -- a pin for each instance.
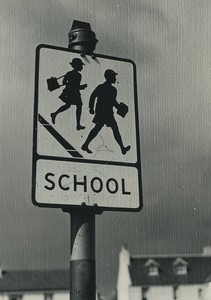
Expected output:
(207, 251)
(124, 256)
(123, 280)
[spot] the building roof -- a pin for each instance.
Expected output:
(22, 281)
(198, 270)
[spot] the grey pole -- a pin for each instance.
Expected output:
(82, 262)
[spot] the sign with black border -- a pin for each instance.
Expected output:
(86, 145)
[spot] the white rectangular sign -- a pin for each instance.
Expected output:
(88, 184)
(86, 134)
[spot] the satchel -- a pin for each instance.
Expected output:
(52, 84)
(122, 109)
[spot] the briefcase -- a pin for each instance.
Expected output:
(122, 109)
(52, 84)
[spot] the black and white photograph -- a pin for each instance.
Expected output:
(105, 150)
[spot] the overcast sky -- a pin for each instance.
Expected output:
(170, 42)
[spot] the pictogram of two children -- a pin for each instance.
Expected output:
(101, 103)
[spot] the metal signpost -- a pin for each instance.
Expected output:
(86, 153)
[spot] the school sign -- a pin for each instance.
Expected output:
(86, 148)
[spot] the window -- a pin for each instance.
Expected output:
(152, 267)
(48, 296)
(180, 266)
(200, 293)
(181, 270)
(175, 288)
(153, 271)
(144, 293)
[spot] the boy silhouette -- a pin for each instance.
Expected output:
(105, 94)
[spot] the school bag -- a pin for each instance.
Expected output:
(122, 109)
(53, 84)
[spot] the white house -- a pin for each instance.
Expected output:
(35, 285)
(165, 277)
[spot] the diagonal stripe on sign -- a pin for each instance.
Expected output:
(70, 149)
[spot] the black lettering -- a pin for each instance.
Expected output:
(100, 184)
(50, 181)
(114, 185)
(123, 188)
(60, 182)
(84, 183)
